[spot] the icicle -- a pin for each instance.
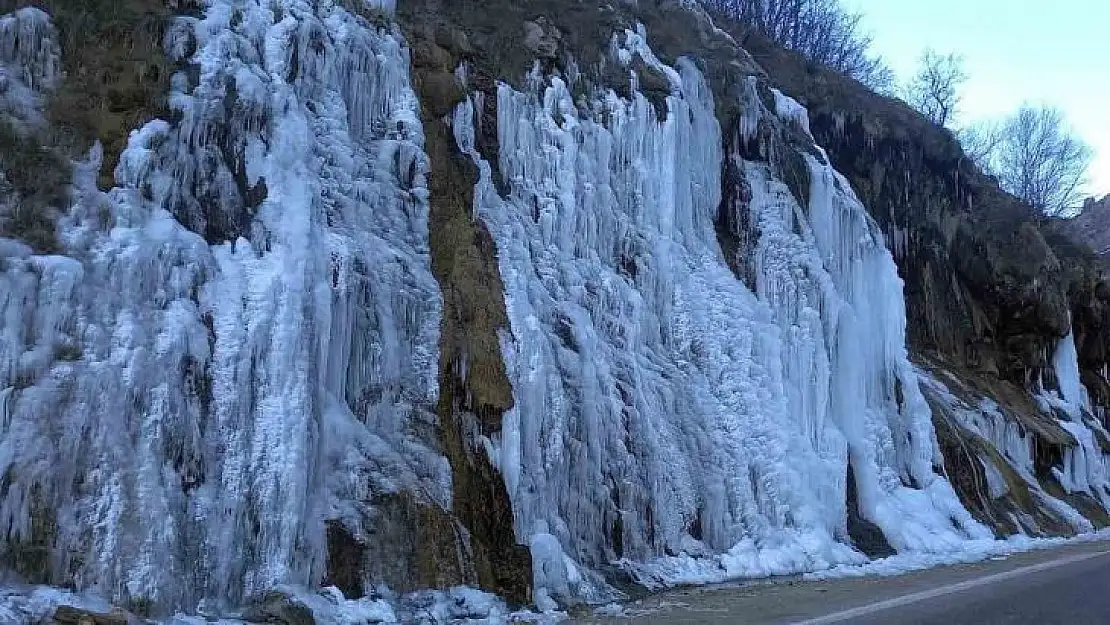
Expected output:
(1065, 362)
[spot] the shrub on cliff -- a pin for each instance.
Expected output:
(822, 30)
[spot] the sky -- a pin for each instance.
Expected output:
(1054, 52)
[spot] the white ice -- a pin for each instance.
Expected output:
(665, 413)
(191, 411)
(1013, 442)
(1086, 466)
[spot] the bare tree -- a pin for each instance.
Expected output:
(935, 90)
(1039, 160)
(980, 142)
(822, 30)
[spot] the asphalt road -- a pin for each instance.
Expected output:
(1066, 586)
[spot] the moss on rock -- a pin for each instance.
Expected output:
(115, 75)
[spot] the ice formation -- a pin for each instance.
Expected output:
(658, 397)
(184, 412)
(240, 340)
(1015, 445)
(1086, 466)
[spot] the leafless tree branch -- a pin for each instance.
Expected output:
(822, 30)
(934, 90)
(1035, 156)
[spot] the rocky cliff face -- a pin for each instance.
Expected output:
(1092, 226)
(990, 288)
(551, 299)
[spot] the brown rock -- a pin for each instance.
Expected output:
(542, 38)
(439, 92)
(277, 608)
(453, 40)
(70, 615)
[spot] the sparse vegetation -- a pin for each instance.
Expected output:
(1040, 160)
(823, 31)
(37, 181)
(1035, 156)
(935, 89)
(116, 76)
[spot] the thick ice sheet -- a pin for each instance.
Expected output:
(189, 411)
(662, 406)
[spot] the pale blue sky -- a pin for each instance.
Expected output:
(1052, 51)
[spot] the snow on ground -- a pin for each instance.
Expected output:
(30, 604)
(755, 564)
(975, 551)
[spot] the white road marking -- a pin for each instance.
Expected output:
(840, 617)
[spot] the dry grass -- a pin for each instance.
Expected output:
(116, 76)
(38, 176)
(115, 79)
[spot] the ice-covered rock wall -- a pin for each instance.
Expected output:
(1086, 466)
(662, 405)
(239, 341)
(1044, 462)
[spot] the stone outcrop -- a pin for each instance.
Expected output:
(1091, 226)
(69, 615)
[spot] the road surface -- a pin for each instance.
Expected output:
(1069, 585)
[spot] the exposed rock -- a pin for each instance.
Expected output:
(416, 545)
(454, 40)
(653, 84)
(439, 93)
(31, 556)
(865, 535)
(346, 561)
(542, 38)
(474, 388)
(278, 608)
(464, 261)
(1092, 226)
(70, 615)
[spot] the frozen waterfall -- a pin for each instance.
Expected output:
(178, 416)
(1086, 466)
(659, 398)
(239, 342)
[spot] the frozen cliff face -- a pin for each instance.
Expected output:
(240, 340)
(237, 348)
(1086, 465)
(662, 406)
(30, 63)
(1045, 465)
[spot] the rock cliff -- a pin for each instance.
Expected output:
(1092, 226)
(562, 301)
